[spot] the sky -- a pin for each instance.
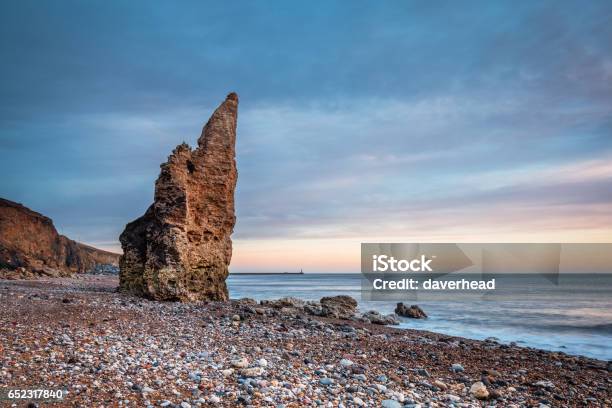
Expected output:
(359, 121)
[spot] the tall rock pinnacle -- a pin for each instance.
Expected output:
(180, 249)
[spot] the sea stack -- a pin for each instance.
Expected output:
(180, 249)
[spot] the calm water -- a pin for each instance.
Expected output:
(574, 317)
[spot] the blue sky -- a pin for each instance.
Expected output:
(359, 121)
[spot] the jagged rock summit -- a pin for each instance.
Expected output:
(30, 247)
(180, 249)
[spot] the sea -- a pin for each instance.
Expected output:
(572, 314)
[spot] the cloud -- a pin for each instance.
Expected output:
(356, 169)
(396, 119)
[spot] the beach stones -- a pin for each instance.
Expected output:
(187, 355)
(453, 398)
(326, 381)
(422, 372)
(240, 363)
(544, 384)
(413, 312)
(389, 403)
(441, 385)
(346, 362)
(375, 317)
(358, 401)
(180, 249)
(286, 302)
(479, 391)
(252, 372)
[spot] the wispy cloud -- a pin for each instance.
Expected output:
(479, 121)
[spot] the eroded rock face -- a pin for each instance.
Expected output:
(180, 249)
(335, 307)
(30, 246)
(339, 307)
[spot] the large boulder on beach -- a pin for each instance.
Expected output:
(479, 391)
(335, 307)
(288, 301)
(31, 247)
(180, 249)
(375, 317)
(338, 307)
(413, 312)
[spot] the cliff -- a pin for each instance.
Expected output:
(31, 246)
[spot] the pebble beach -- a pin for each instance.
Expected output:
(109, 349)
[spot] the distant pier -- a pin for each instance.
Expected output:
(301, 272)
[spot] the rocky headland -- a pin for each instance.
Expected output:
(180, 249)
(114, 349)
(31, 247)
